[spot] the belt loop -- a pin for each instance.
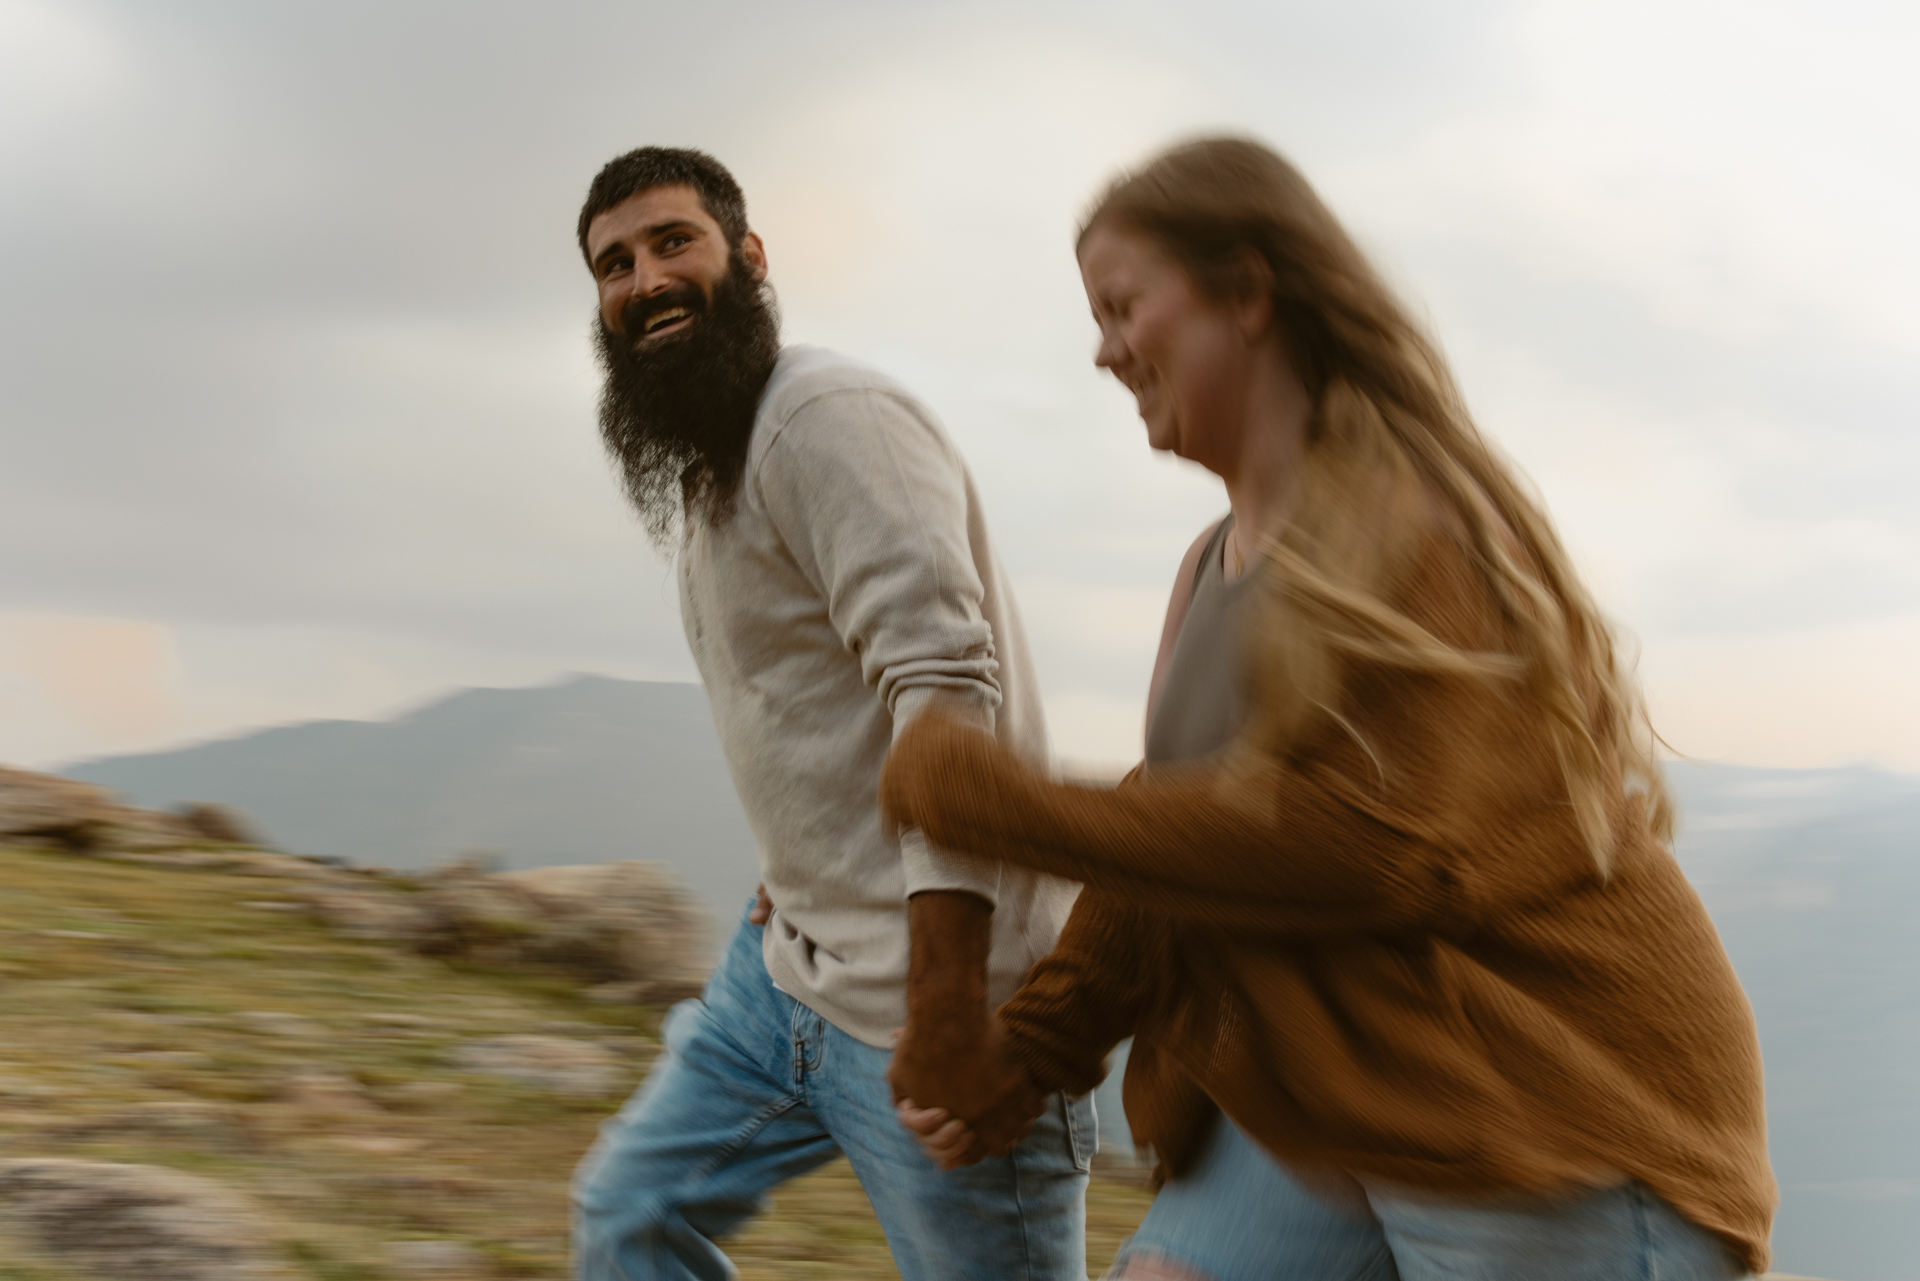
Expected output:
(798, 1031)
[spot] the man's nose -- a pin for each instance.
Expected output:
(1107, 353)
(646, 279)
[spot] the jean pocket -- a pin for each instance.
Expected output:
(1083, 1129)
(681, 1024)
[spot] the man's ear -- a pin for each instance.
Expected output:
(756, 255)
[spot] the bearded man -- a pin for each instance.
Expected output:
(835, 578)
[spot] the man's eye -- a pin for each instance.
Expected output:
(674, 242)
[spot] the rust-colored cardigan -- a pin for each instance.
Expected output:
(1406, 968)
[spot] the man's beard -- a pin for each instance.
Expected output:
(677, 413)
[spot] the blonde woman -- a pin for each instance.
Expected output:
(1416, 987)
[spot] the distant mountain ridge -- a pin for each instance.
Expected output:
(1812, 878)
(591, 769)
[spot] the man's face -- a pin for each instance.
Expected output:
(657, 257)
(688, 335)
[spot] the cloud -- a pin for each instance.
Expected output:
(66, 682)
(1810, 696)
(1698, 522)
(298, 372)
(53, 59)
(1728, 163)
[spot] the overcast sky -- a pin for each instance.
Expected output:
(296, 409)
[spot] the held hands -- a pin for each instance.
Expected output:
(964, 1097)
(945, 1139)
(954, 1057)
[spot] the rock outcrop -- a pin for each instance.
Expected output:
(45, 810)
(558, 1064)
(219, 823)
(134, 1222)
(41, 807)
(629, 931)
(436, 1259)
(633, 922)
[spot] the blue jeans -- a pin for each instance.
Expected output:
(1240, 1215)
(752, 1089)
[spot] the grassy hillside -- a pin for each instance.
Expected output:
(185, 1018)
(1811, 876)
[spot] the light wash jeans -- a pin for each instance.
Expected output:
(1240, 1215)
(752, 1089)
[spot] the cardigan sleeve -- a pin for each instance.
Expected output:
(1087, 995)
(1291, 848)
(1307, 863)
(1435, 803)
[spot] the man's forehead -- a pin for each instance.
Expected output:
(654, 207)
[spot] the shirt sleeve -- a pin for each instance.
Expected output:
(871, 499)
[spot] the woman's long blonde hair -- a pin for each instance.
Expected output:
(1389, 434)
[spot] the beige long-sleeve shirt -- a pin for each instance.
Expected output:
(853, 582)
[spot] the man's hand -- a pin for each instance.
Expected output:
(1004, 1104)
(762, 906)
(953, 1055)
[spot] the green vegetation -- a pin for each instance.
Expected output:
(190, 1018)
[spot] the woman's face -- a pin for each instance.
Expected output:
(1185, 358)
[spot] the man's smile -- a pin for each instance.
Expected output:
(660, 316)
(665, 322)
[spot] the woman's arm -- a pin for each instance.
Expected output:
(1291, 848)
(1086, 996)
(1300, 858)
(1430, 802)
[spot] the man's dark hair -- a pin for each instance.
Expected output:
(645, 168)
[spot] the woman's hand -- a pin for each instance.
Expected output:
(980, 1100)
(941, 1135)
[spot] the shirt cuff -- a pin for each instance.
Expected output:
(927, 866)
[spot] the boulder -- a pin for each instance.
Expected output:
(42, 807)
(280, 1023)
(558, 1064)
(128, 830)
(134, 1222)
(435, 1259)
(629, 930)
(219, 823)
(369, 911)
(629, 925)
(175, 1122)
(313, 1092)
(469, 912)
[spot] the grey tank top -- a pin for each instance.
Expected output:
(1201, 705)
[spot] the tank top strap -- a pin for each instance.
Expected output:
(1200, 705)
